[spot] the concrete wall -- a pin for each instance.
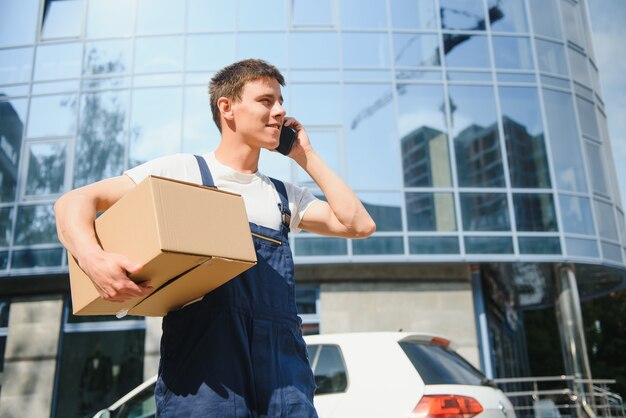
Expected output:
(30, 358)
(443, 308)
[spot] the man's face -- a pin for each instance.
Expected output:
(259, 115)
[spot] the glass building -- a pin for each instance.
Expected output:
(474, 132)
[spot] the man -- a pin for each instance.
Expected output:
(238, 351)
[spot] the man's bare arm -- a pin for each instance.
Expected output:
(343, 215)
(75, 213)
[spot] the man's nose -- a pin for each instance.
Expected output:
(278, 110)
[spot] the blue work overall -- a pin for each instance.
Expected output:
(239, 351)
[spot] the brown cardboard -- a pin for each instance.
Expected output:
(171, 228)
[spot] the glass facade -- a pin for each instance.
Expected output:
(472, 131)
(477, 121)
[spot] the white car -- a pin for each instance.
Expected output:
(404, 375)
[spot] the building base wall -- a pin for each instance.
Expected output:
(442, 308)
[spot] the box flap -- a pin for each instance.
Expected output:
(192, 285)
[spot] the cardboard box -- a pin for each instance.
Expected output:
(189, 238)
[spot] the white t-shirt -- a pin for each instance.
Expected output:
(259, 194)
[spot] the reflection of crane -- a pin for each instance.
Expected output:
(450, 41)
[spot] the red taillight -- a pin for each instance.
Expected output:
(446, 406)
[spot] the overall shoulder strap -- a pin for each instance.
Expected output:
(207, 178)
(284, 202)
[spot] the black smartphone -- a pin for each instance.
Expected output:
(288, 137)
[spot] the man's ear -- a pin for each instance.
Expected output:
(224, 104)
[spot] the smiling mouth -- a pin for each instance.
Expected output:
(273, 125)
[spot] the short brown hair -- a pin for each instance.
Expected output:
(230, 81)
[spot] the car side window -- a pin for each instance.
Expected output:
(329, 369)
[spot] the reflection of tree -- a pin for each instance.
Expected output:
(100, 144)
(35, 225)
(46, 171)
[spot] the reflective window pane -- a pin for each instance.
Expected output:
(160, 16)
(607, 227)
(62, 19)
(468, 76)
(507, 16)
(46, 168)
(572, 20)
(485, 212)
(416, 50)
(512, 52)
(465, 50)
(551, 56)
(434, 245)
(564, 141)
(305, 51)
(611, 251)
(4, 263)
(355, 16)
(534, 212)
(543, 13)
(271, 47)
(58, 61)
(18, 22)
(210, 52)
(155, 124)
(113, 359)
(6, 226)
(36, 258)
(210, 15)
(101, 136)
(476, 137)
(52, 115)
(15, 65)
(384, 208)
(423, 136)
(365, 49)
(462, 14)
(587, 117)
(106, 57)
(162, 54)
(582, 247)
(35, 225)
(378, 245)
(326, 143)
(369, 125)
(430, 212)
(539, 245)
(12, 116)
(311, 105)
(267, 14)
(321, 246)
(312, 13)
(199, 131)
(410, 14)
(488, 245)
(576, 215)
(110, 18)
(515, 78)
(578, 64)
(523, 132)
(595, 163)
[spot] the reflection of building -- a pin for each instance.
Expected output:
(11, 130)
(506, 195)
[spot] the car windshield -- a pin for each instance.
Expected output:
(438, 365)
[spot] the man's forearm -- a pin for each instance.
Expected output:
(75, 215)
(342, 200)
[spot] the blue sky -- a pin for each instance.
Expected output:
(608, 22)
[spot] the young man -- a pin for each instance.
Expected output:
(238, 351)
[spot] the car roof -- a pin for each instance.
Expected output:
(376, 336)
